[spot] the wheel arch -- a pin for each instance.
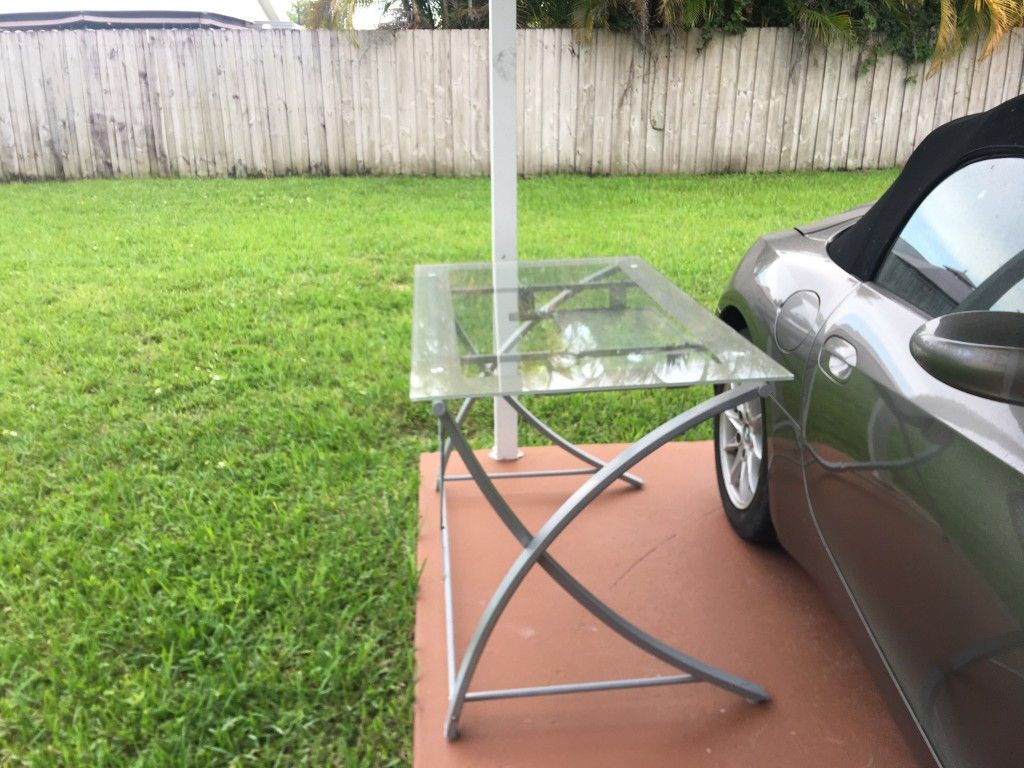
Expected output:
(732, 317)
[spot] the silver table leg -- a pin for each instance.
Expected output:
(445, 443)
(530, 418)
(565, 445)
(535, 553)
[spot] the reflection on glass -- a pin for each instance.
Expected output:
(964, 246)
(575, 325)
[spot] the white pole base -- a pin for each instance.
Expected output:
(506, 432)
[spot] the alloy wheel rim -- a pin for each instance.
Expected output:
(740, 450)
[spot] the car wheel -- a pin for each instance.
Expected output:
(741, 467)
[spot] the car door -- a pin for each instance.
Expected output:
(916, 488)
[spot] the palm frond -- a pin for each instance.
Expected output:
(1003, 15)
(696, 13)
(960, 21)
(826, 27)
(948, 41)
(670, 12)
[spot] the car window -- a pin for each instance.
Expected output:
(964, 246)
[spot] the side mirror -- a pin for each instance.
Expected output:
(978, 352)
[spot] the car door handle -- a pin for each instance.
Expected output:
(838, 358)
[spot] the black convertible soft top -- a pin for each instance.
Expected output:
(998, 132)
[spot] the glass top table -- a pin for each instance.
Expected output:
(567, 326)
(547, 327)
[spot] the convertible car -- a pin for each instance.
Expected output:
(892, 465)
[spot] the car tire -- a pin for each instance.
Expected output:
(741, 468)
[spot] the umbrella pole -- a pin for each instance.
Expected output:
(502, 61)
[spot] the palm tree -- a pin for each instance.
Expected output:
(961, 20)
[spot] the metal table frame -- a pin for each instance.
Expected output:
(535, 552)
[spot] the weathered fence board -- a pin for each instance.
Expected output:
(82, 104)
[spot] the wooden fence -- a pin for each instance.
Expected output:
(269, 103)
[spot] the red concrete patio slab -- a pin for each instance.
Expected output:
(664, 557)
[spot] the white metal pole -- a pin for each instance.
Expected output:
(502, 37)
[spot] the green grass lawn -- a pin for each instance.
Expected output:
(208, 462)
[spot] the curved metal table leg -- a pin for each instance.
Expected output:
(535, 551)
(530, 418)
(445, 443)
(564, 444)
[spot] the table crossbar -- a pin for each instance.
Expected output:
(534, 421)
(597, 685)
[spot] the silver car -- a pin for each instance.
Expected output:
(892, 466)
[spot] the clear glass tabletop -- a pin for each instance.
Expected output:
(567, 326)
